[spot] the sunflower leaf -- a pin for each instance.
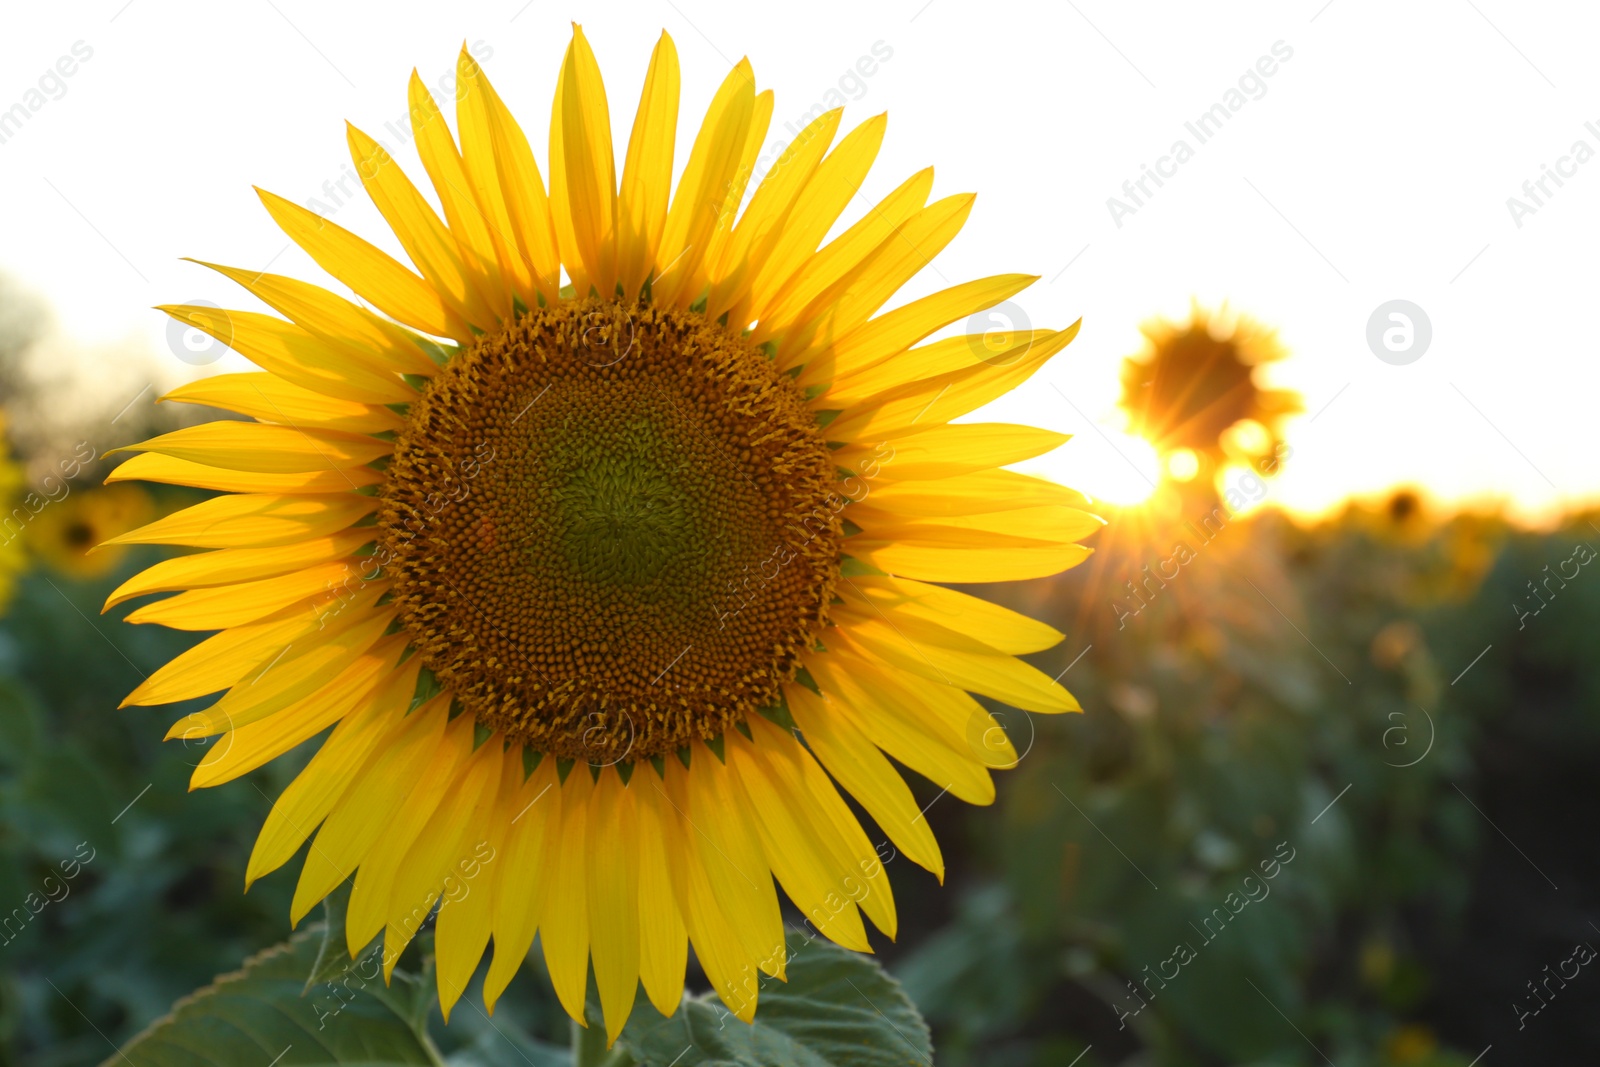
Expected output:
(265, 1010)
(838, 1009)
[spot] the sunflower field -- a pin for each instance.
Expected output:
(1285, 705)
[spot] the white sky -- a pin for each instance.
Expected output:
(1376, 166)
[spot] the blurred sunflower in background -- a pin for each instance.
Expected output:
(1194, 393)
(13, 557)
(564, 567)
(64, 534)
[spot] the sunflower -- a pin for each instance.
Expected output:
(1193, 391)
(64, 534)
(570, 570)
(14, 517)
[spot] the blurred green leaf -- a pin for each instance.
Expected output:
(838, 1009)
(265, 1014)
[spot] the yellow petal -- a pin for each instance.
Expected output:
(229, 565)
(488, 130)
(820, 204)
(732, 973)
(761, 226)
(942, 397)
(852, 758)
(890, 334)
(805, 867)
(842, 255)
(270, 398)
(1019, 527)
(259, 743)
(933, 711)
(293, 354)
(372, 274)
(949, 450)
(897, 599)
(522, 881)
(663, 941)
(466, 918)
(858, 870)
(995, 349)
(384, 863)
(930, 651)
(219, 607)
(938, 554)
(359, 336)
(587, 179)
(300, 809)
(222, 659)
(703, 187)
(560, 205)
(890, 707)
(468, 223)
(564, 925)
(447, 856)
(252, 520)
(258, 446)
(426, 240)
(967, 494)
(612, 849)
(368, 806)
(737, 868)
(722, 232)
(483, 180)
(847, 304)
(301, 672)
(154, 467)
(647, 171)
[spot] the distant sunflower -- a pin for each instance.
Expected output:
(64, 534)
(13, 520)
(561, 566)
(1194, 390)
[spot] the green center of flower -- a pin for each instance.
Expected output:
(611, 529)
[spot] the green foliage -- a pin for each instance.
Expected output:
(1289, 690)
(837, 1009)
(262, 1014)
(155, 908)
(1301, 690)
(306, 1002)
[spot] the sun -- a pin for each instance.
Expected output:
(604, 600)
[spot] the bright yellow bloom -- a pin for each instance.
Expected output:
(561, 566)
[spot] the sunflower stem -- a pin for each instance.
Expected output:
(589, 1049)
